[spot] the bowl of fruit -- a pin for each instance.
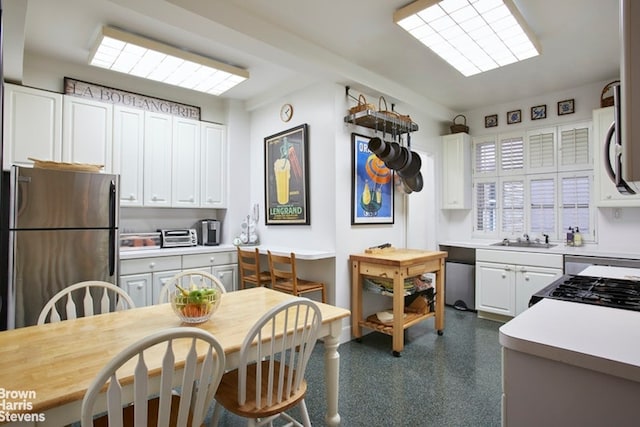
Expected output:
(195, 305)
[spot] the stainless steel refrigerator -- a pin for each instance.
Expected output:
(63, 229)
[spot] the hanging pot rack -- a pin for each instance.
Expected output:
(379, 121)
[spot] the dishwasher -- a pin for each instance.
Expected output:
(460, 278)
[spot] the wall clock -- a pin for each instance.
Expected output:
(286, 112)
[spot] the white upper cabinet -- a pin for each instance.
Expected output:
(606, 193)
(214, 171)
(185, 190)
(456, 171)
(158, 139)
(128, 153)
(87, 132)
(23, 108)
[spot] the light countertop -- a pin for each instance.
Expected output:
(602, 339)
(560, 248)
(302, 254)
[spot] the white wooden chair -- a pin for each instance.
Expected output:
(282, 340)
(187, 278)
(203, 367)
(109, 296)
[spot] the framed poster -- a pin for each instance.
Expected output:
(372, 187)
(286, 178)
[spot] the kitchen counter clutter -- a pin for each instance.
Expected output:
(307, 254)
(579, 362)
(397, 265)
(587, 249)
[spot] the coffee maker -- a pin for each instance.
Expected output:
(208, 231)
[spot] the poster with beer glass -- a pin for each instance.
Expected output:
(371, 185)
(287, 177)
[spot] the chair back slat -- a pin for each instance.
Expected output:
(140, 391)
(70, 308)
(166, 382)
(283, 268)
(202, 371)
(114, 399)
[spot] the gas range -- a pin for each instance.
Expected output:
(603, 291)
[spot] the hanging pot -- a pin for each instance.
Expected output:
(400, 160)
(412, 167)
(415, 183)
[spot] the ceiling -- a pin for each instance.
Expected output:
(287, 44)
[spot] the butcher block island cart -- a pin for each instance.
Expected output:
(396, 264)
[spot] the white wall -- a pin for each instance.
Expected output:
(613, 233)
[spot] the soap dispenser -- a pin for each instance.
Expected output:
(577, 237)
(570, 237)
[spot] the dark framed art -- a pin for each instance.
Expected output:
(566, 107)
(539, 112)
(491, 121)
(286, 181)
(514, 116)
(372, 189)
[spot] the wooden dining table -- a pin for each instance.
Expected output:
(45, 370)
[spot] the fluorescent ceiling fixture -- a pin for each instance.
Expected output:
(127, 53)
(472, 35)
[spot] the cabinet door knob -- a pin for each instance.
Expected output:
(191, 199)
(504, 274)
(526, 277)
(210, 200)
(132, 197)
(212, 259)
(152, 264)
(140, 285)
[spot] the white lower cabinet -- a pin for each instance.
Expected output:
(505, 280)
(223, 265)
(142, 278)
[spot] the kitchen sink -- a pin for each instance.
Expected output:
(523, 244)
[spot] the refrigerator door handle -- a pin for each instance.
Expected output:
(112, 230)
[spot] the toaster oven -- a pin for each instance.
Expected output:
(178, 238)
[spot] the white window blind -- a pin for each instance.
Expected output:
(542, 196)
(541, 153)
(486, 157)
(512, 154)
(513, 206)
(575, 203)
(574, 147)
(486, 209)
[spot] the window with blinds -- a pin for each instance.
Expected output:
(576, 203)
(574, 147)
(538, 185)
(541, 151)
(512, 154)
(513, 206)
(486, 158)
(542, 205)
(486, 207)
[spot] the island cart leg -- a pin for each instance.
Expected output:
(398, 313)
(439, 321)
(356, 300)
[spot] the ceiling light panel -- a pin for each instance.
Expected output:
(127, 53)
(472, 35)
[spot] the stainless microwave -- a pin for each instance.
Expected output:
(624, 167)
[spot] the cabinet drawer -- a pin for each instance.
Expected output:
(388, 271)
(210, 259)
(149, 265)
